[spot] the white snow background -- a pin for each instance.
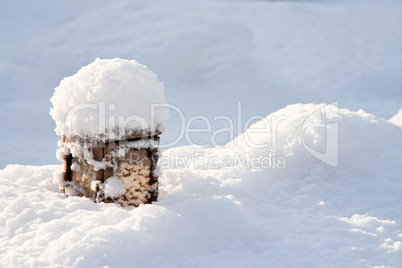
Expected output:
(271, 56)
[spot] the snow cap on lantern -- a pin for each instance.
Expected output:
(110, 99)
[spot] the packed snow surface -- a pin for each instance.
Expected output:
(109, 98)
(304, 214)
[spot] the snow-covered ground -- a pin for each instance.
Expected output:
(305, 215)
(270, 57)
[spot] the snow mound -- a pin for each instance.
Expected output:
(297, 131)
(306, 214)
(397, 119)
(109, 98)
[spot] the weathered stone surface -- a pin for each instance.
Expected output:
(84, 176)
(135, 169)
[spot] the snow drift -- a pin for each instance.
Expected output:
(397, 119)
(308, 214)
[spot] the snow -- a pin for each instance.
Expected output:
(315, 72)
(114, 187)
(397, 119)
(308, 214)
(109, 99)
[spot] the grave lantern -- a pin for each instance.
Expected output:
(110, 115)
